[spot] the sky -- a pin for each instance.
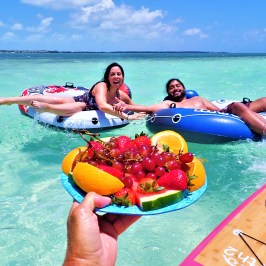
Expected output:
(133, 25)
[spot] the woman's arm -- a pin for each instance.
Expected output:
(125, 98)
(100, 94)
(121, 106)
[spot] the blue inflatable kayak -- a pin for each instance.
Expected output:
(201, 126)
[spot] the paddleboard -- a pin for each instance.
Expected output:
(240, 239)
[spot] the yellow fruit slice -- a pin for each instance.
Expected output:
(91, 178)
(76, 155)
(72, 158)
(197, 169)
(175, 141)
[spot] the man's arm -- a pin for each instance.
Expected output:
(141, 108)
(210, 105)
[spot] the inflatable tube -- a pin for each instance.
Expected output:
(191, 93)
(201, 126)
(93, 120)
(126, 89)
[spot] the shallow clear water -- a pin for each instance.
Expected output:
(34, 206)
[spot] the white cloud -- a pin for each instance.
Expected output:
(17, 26)
(178, 20)
(103, 20)
(195, 32)
(123, 15)
(1, 23)
(61, 4)
(120, 20)
(144, 16)
(57, 37)
(99, 16)
(8, 36)
(43, 26)
(83, 15)
(258, 35)
(34, 37)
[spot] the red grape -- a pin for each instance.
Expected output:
(118, 165)
(173, 164)
(144, 151)
(148, 164)
(186, 157)
(159, 171)
(140, 174)
(136, 167)
(128, 182)
(151, 175)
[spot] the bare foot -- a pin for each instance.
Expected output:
(41, 107)
(4, 101)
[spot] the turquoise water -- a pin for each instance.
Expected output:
(34, 206)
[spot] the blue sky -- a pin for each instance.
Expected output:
(133, 25)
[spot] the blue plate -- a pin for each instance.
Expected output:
(78, 194)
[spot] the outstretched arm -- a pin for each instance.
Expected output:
(100, 93)
(121, 106)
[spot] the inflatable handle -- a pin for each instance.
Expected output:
(191, 93)
(69, 85)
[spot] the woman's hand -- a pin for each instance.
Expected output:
(119, 105)
(92, 239)
(136, 116)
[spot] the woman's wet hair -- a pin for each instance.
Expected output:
(170, 80)
(105, 78)
(107, 72)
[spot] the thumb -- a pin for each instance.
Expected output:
(93, 200)
(117, 99)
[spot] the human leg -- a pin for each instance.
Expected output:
(258, 105)
(64, 109)
(27, 100)
(251, 118)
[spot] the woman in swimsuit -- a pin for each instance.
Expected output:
(101, 96)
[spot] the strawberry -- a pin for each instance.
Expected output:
(148, 185)
(142, 139)
(124, 143)
(112, 171)
(95, 145)
(124, 197)
(175, 179)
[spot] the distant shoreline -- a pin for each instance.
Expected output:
(185, 53)
(55, 51)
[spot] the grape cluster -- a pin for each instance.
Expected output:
(134, 160)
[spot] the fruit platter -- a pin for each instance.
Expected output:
(142, 175)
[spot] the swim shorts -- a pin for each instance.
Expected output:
(89, 99)
(229, 108)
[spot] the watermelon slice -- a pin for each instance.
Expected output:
(158, 200)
